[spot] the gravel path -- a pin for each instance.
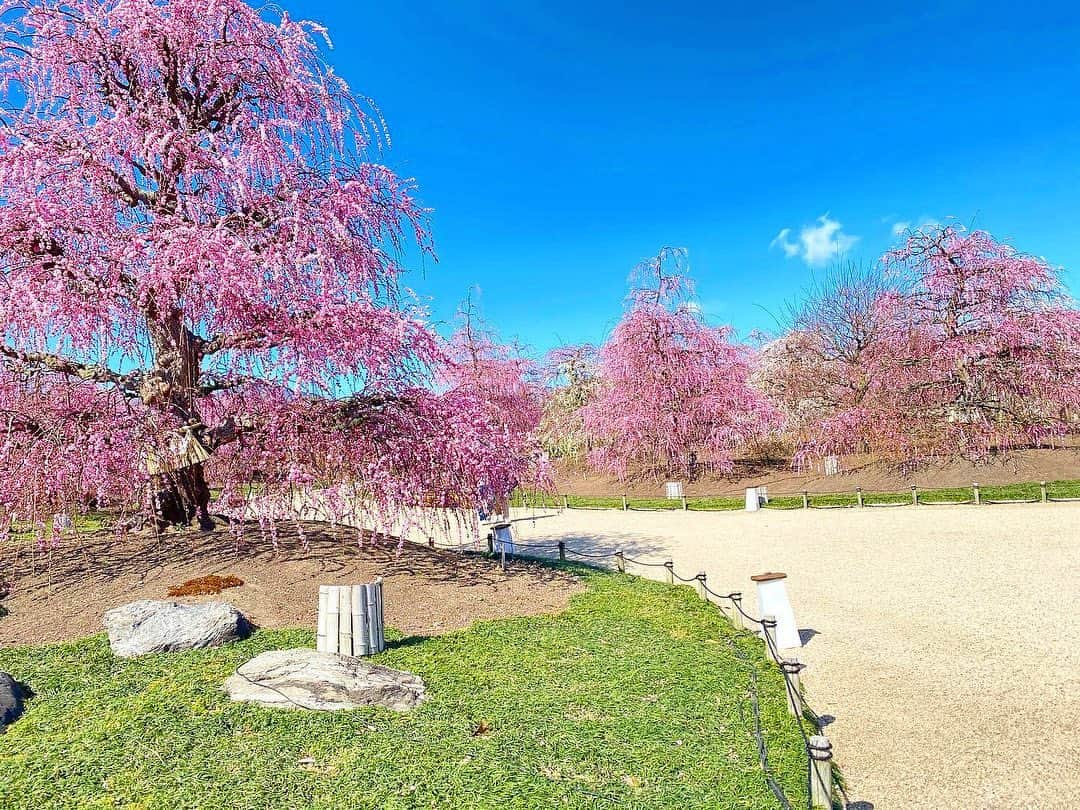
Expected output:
(945, 640)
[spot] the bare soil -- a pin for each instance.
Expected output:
(1061, 464)
(62, 594)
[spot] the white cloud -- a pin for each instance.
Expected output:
(817, 244)
(899, 228)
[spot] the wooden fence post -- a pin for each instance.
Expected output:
(914, 495)
(562, 550)
(975, 490)
(736, 602)
(805, 499)
(502, 555)
(670, 566)
(701, 586)
(624, 506)
(491, 542)
(858, 496)
(683, 502)
(620, 562)
(768, 625)
(791, 668)
(1042, 491)
(820, 772)
(565, 502)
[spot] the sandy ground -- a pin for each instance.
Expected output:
(945, 641)
(64, 594)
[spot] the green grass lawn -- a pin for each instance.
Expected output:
(1006, 492)
(636, 696)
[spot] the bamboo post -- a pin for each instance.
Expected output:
(858, 496)
(320, 634)
(701, 586)
(768, 625)
(737, 617)
(360, 621)
(380, 624)
(333, 608)
(562, 551)
(791, 668)
(345, 623)
(670, 566)
(371, 601)
(914, 495)
(624, 505)
(820, 772)
(977, 494)
(805, 499)
(1042, 491)
(683, 502)
(620, 562)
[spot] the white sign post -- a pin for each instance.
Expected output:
(753, 502)
(773, 601)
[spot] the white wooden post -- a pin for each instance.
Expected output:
(858, 495)
(805, 499)
(683, 502)
(820, 772)
(977, 494)
(624, 506)
(565, 502)
(1042, 491)
(914, 495)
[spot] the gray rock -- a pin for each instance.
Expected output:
(322, 681)
(12, 694)
(153, 626)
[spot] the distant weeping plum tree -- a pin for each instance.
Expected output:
(199, 269)
(978, 352)
(572, 382)
(670, 384)
(821, 366)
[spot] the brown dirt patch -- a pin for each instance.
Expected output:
(63, 594)
(1020, 466)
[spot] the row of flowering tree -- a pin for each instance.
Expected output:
(952, 346)
(201, 277)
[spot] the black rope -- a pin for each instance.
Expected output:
(945, 503)
(1063, 500)
(588, 556)
(644, 563)
(1027, 500)
(898, 503)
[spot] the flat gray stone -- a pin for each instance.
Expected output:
(12, 694)
(155, 626)
(322, 681)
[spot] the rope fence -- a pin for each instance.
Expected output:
(819, 778)
(857, 499)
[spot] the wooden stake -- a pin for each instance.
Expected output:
(670, 566)
(1042, 491)
(978, 495)
(820, 772)
(914, 495)
(768, 624)
(792, 668)
(684, 502)
(858, 496)
(805, 499)
(562, 550)
(620, 562)
(701, 586)
(624, 505)
(565, 502)
(737, 617)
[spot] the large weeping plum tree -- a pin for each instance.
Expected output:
(570, 374)
(670, 384)
(201, 270)
(976, 351)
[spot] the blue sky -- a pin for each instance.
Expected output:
(559, 143)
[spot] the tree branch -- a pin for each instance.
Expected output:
(127, 383)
